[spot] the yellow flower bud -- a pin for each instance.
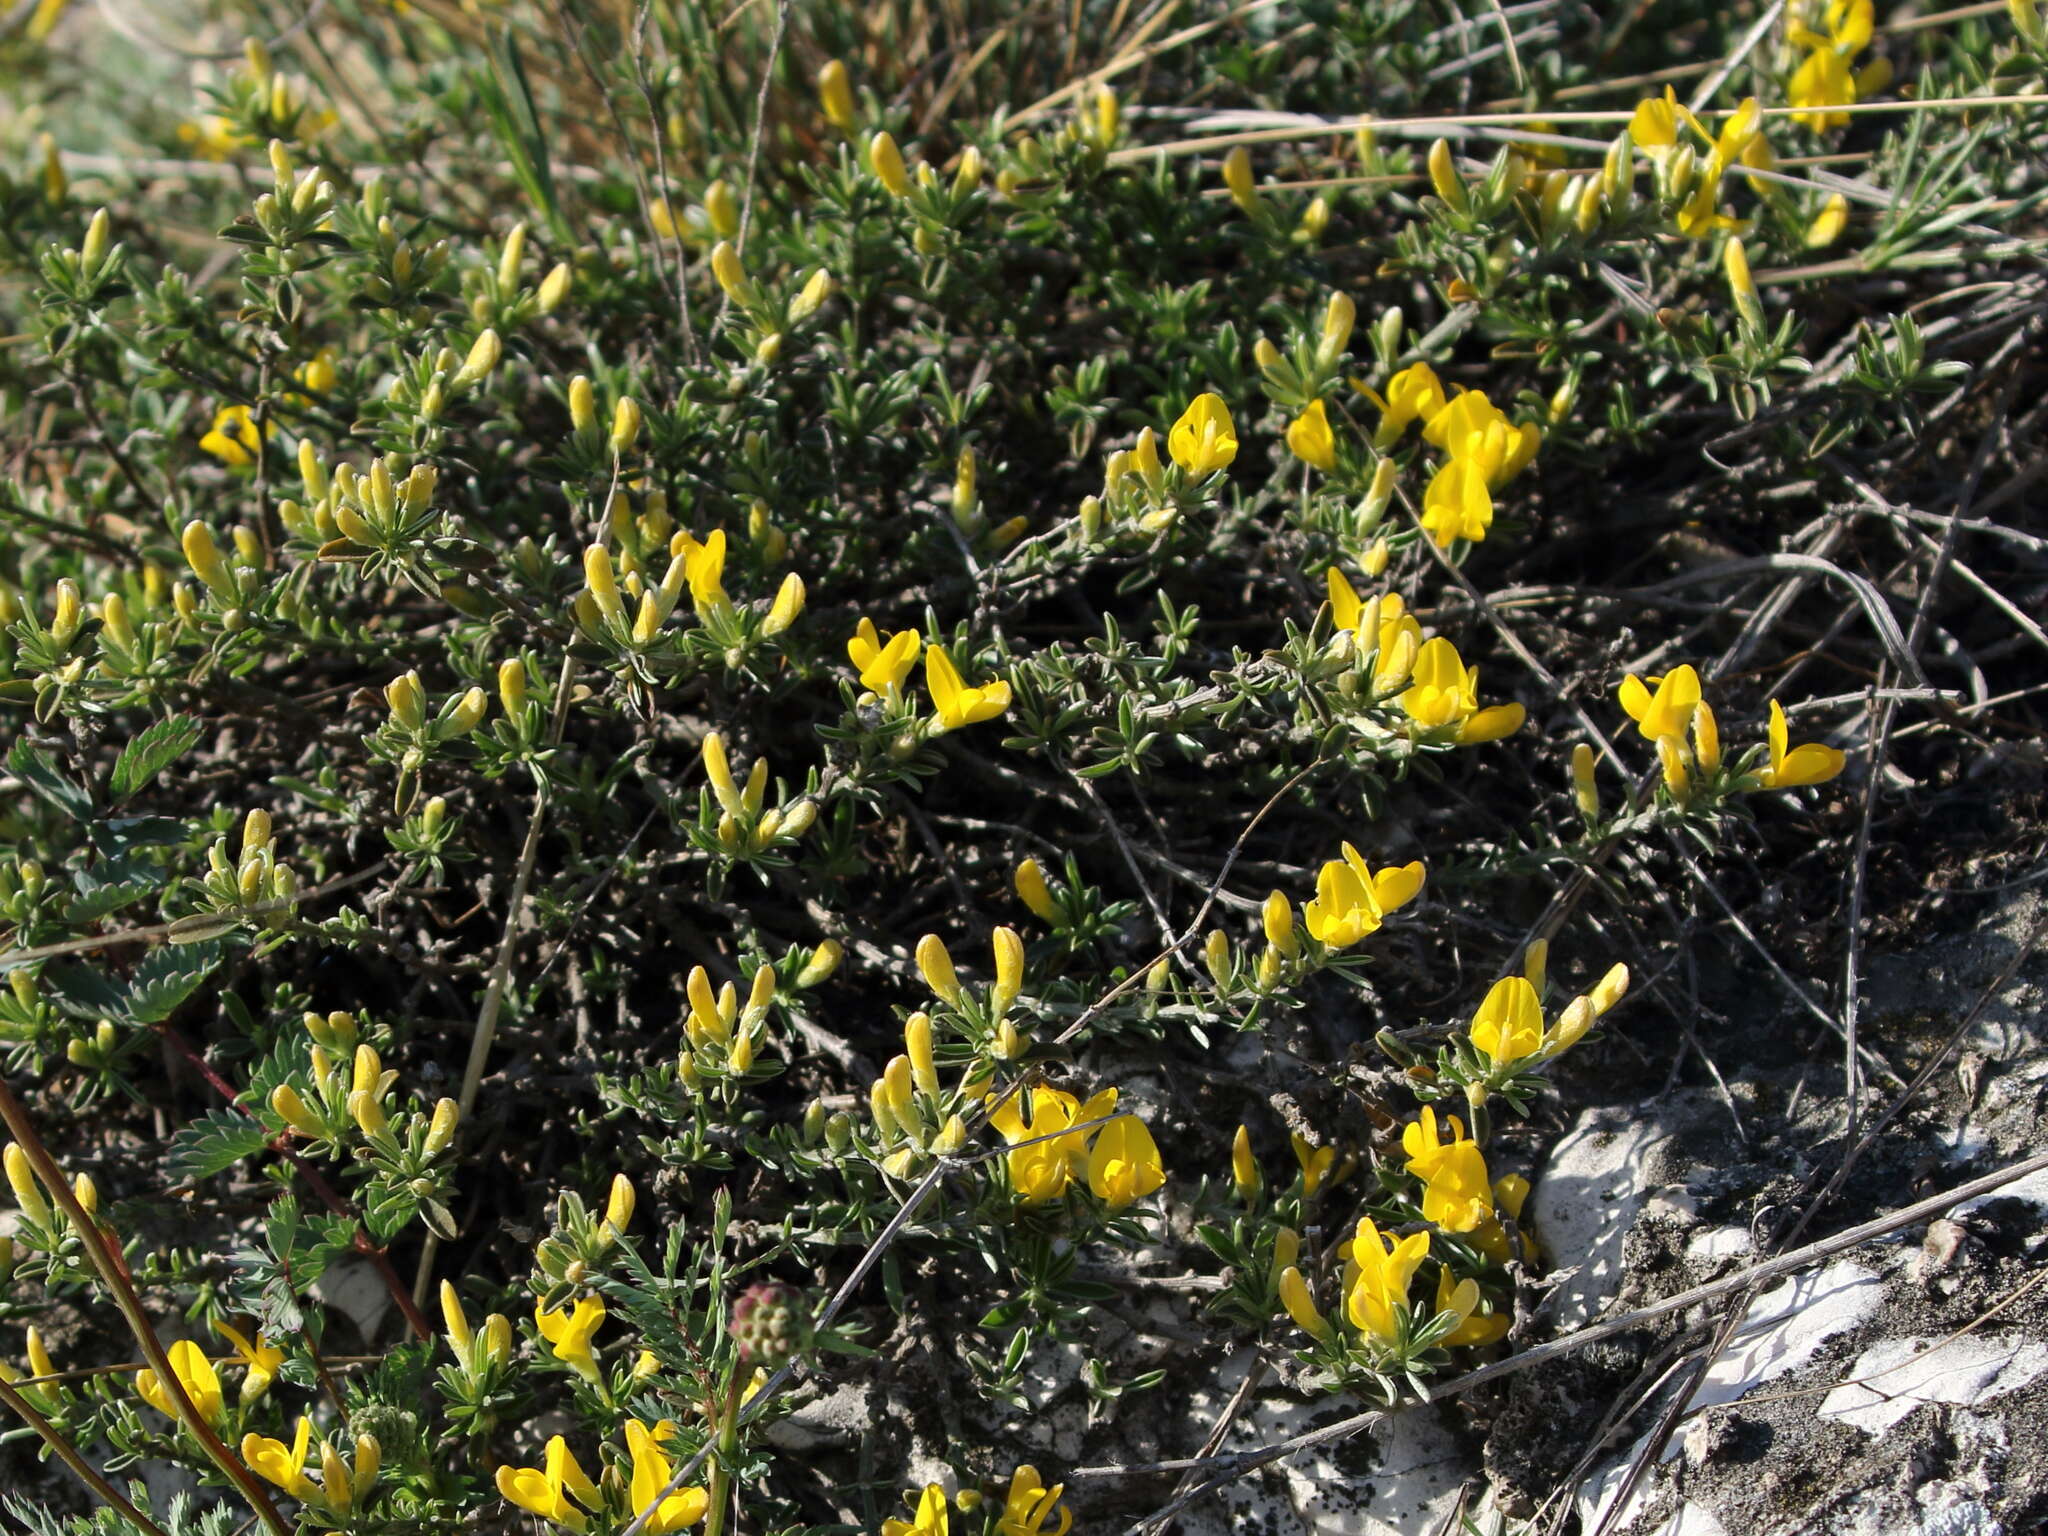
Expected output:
(1584, 787)
(886, 160)
(619, 1201)
(368, 1113)
(1443, 175)
(407, 701)
(1244, 1168)
(789, 602)
(582, 404)
(554, 288)
(467, 715)
(1748, 303)
(1237, 177)
(335, 1490)
(1009, 950)
(441, 1129)
(603, 588)
(1300, 1305)
(459, 1335)
(823, 962)
(835, 96)
(625, 423)
(817, 290)
(1340, 315)
(28, 1194)
(98, 234)
(718, 769)
(203, 555)
(484, 354)
(1828, 224)
(1033, 891)
(1277, 916)
(1216, 956)
(731, 273)
(1671, 757)
(722, 209)
(55, 183)
(917, 1047)
(936, 965)
(291, 1109)
(1611, 989)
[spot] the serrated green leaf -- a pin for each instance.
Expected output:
(110, 886)
(168, 976)
(150, 753)
(216, 1141)
(35, 768)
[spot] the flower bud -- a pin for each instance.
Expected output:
(789, 602)
(1443, 176)
(1339, 316)
(722, 209)
(823, 962)
(203, 555)
(553, 288)
(625, 423)
(1216, 956)
(1278, 919)
(917, 1047)
(886, 160)
(97, 235)
(1009, 950)
(1610, 989)
(441, 1129)
(582, 404)
(467, 714)
(484, 353)
(835, 96)
(936, 965)
(1237, 178)
(406, 701)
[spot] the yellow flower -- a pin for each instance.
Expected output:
(546, 1490)
(703, 568)
(835, 95)
(570, 1333)
(1444, 694)
(1825, 79)
(1124, 1166)
(1301, 1306)
(212, 137)
(195, 1374)
(1315, 1162)
(1735, 144)
(1808, 764)
(275, 1462)
(1046, 1153)
(929, 1519)
(883, 664)
(1413, 394)
(956, 703)
(1828, 224)
(1456, 1194)
(1509, 1024)
(1654, 125)
(651, 1472)
(1029, 1504)
(1310, 438)
(1033, 891)
(1456, 504)
(1351, 901)
(1380, 1273)
(1237, 177)
(1203, 440)
(262, 1358)
(1463, 1299)
(233, 439)
(1244, 1168)
(1668, 711)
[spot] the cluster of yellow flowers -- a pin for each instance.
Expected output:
(1428, 678)
(1028, 1504)
(1483, 449)
(883, 663)
(1827, 77)
(1051, 1149)
(556, 1489)
(1669, 709)
(1140, 490)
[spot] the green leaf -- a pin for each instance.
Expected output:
(168, 976)
(39, 772)
(150, 753)
(164, 979)
(110, 886)
(216, 1141)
